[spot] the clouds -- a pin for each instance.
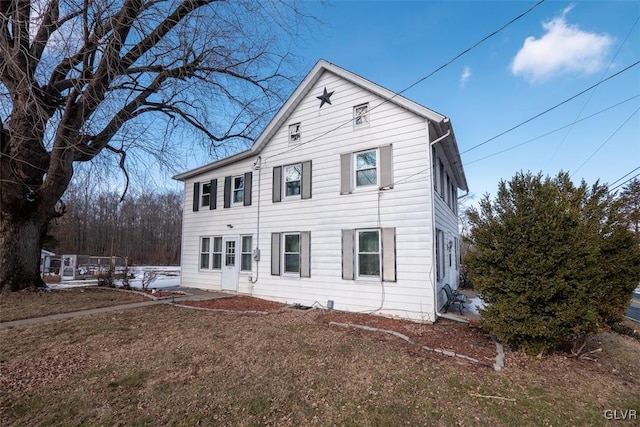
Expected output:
(466, 75)
(563, 49)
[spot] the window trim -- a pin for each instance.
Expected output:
(356, 170)
(202, 252)
(284, 255)
(214, 252)
(246, 251)
(204, 194)
(284, 182)
(235, 190)
(211, 253)
(366, 115)
(358, 275)
(295, 133)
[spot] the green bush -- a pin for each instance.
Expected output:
(551, 261)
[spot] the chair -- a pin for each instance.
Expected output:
(453, 297)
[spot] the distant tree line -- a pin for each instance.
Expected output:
(144, 227)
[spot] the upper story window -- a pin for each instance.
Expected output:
(371, 168)
(205, 198)
(366, 169)
(294, 133)
(238, 189)
(361, 115)
(292, 180)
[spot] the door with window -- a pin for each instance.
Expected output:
(230, 263)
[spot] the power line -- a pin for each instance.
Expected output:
(548, 133)
(553, 131)
(623, 183)
(552, 108)
(625, 175)
(607, 140)
(395, 94)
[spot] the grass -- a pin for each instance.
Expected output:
(34, 303)
(165, 365)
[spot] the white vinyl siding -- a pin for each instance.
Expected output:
(402, 211)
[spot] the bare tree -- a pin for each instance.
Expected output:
(80, 78)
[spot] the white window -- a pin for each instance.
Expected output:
(210, 259)
(238, 189)
(216, 255)
(369, 255)
(230, 253)
(292, 179)
(291, 253)
(366, 169)
(205, 251)
(294, 133)
(245, 261)
(361, 115)
(205, 198)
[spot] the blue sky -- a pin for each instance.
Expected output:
(549, 55)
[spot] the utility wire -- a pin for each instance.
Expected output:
(623, 183)
(395, 94)
(607, 140)
(552, 108)
(553, 131)
(541, 136)
(592, 93)
(625, 175)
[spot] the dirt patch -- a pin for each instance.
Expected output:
(239, 303)
(463, 338)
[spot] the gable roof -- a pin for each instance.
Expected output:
(441, 123)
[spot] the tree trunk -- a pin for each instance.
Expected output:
(20, 243)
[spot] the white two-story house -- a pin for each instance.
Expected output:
(348, 199)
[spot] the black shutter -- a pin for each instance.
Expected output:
(196, 196)
(213, 194)
(247, 188)
(277, 184)
(227, 191)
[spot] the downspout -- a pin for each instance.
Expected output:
(434, 279)
(256, 252)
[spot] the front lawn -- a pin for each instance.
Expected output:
(167, 365)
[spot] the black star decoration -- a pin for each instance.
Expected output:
(325, 97)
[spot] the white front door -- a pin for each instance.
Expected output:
(230, 263)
